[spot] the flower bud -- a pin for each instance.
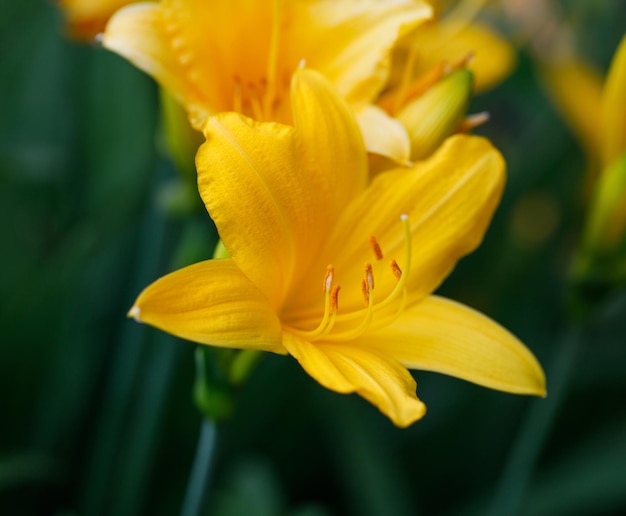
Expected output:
(436, 114)
(602, 255)
(614, 108)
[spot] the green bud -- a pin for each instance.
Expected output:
(212, 392)
(602, 254)
(437, 114)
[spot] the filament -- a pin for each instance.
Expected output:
(326, 329)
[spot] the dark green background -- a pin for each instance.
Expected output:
(96, 415)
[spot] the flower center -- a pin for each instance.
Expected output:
(348, 326)
(259, 99)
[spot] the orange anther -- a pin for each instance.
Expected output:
(376, 248)
(472, 121)
(366, 292)
(395, 269)
(334, 298)
(369, 276)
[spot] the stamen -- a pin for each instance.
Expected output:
(255, 103)
(377, 250)
(334, 299)
(397, 296)
(331, 303)
(405, 82)
(463, 61)
(472, 121)
(328, 279)
(369, 276)
(395, 269)
(399, 288)
(401, 284)
(366, 291)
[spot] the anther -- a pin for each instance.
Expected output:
(395, 269)
(369, 276)
(472, 121)
(376, 248)
(328, 278)
(334, 299)
(463, 61)
(366, 292)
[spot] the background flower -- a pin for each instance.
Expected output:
(87, 18)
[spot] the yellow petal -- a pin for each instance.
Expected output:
(614, 108)
(139, 33)
(275, 192)
(576, 91)
(87, 18)
(349, 41)
(239, 55)
(382, 382)
(213, 303)
(328, 134)
(315, 362)
(447, 337)
(493, 58)
(247, 177)
(384, 135)
(449, 199)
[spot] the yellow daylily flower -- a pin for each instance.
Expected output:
(240, 55)
(575, 88)
(299, 215)
(87, 18)
(613, 143)
(450, 39)
(602, 255)
(436, 68)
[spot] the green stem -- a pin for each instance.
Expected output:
(201, 470)
(143, 435)
(515, 479)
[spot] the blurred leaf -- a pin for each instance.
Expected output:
(590, 479)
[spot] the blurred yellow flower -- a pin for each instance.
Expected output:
(87, 18)
(613, 144)
(436, 68)
(289, 201)
(575, 89)
(603, 250)
(240, 55)
(450, 36)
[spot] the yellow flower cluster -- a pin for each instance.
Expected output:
(343, 188)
